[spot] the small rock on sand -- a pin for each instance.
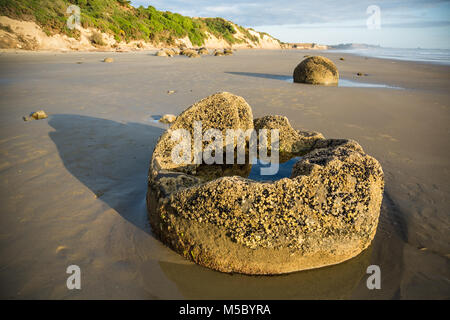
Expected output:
(203, 51)
(161, 53)
(171, 92)
(189, 53)
(170, 52)
(36, 116)
(108, 60)
(168, 118)
(227, 52)
(61, 250)
(39, 115)
(218, 53)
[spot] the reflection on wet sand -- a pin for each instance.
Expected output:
(333, 282)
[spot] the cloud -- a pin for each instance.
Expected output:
(224, 9)
(410, 13)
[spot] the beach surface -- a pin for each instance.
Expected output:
(72, 187)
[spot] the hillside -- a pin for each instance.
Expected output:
(116, 24)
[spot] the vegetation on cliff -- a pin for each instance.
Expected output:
(124, 22)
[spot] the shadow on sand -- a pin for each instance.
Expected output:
(261, 75)
(110, 158)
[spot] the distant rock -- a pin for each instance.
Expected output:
(161, 53)
(342, 59)
(172, 52)
(168, 118)
(227, 52)
(316, 70)
(38, 115)
(191, 53)
(108, 60)
(203, 51)
(218, 53)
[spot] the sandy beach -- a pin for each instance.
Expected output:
(72, 187)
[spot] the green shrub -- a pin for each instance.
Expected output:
(124, 22)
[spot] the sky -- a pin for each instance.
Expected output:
(389, 23)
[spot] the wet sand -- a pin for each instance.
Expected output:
(72, 187)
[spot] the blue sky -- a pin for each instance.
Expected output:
(403, 23)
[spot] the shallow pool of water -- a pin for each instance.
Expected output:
(284, 170)
(354, 84)
(254, 171)
(358, 84)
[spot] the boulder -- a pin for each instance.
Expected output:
(39, 115)
(108, 60)
(203, 51)
(168, 118)
(316, 70)
(227, 52)
(291, 141)
(218, 53)
(189, 53)
(161, 53)
(325, 213)
(219, 111)
(169, 52)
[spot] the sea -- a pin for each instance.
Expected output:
(438, 56)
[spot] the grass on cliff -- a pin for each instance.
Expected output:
(124, 22)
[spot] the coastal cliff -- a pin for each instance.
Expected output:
(116, 25)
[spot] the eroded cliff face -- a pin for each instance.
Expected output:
(27, 35)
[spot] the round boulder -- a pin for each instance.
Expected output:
(161, 53)
(316, 70)
(168, 118)
(325, 213)
(190, 53)
(203, 51)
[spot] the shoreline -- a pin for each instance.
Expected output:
(438, 62)
(391, 76)
(156, 49)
